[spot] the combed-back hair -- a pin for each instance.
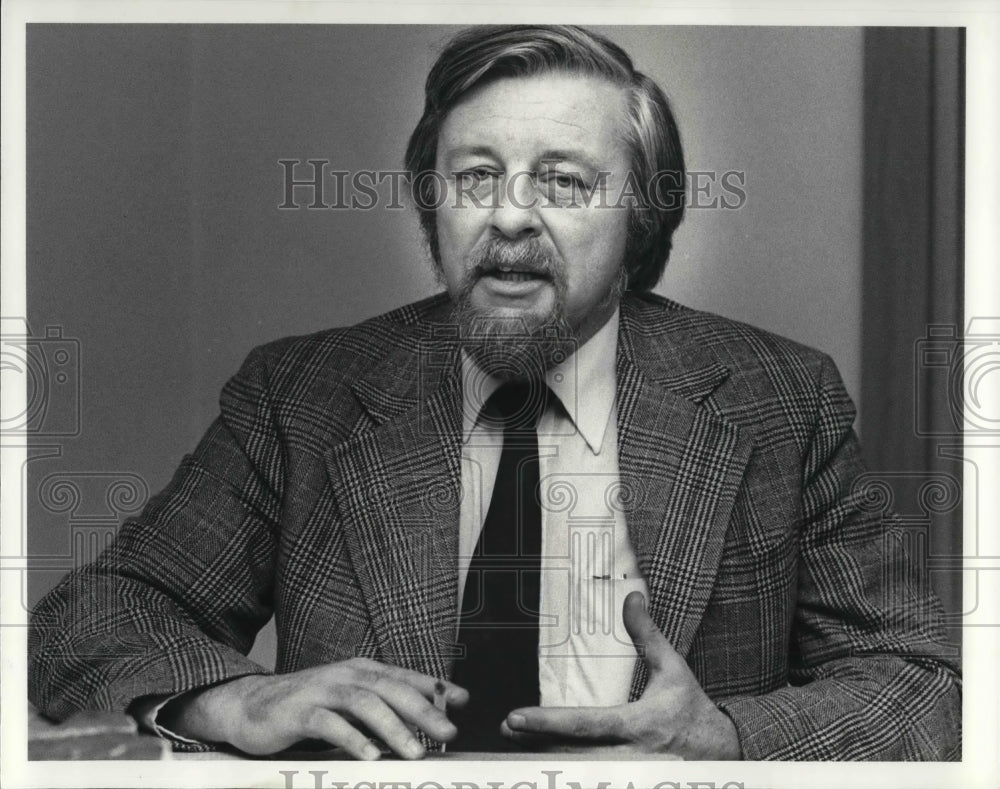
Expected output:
(480, 55)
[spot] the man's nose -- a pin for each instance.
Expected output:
(515, 211)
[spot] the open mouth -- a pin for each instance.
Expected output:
(514, 275)
(514, 287)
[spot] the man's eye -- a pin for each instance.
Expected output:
(561, 180)
(476, 175)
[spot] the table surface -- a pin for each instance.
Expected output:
(458, 756)
(107, 735)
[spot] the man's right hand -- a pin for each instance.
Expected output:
(262, 714)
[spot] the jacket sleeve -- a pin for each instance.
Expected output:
(871, 673)
(176, 601)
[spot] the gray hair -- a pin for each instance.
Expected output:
(480, 55)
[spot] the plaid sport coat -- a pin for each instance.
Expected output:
(327, 494)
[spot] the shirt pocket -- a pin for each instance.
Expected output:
(597, 611)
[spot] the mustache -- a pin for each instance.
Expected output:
(524, 256)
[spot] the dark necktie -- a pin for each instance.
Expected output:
(498, 628)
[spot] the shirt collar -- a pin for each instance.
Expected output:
(584, 383)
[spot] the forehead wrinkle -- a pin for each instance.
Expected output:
(512, 92)
(536, 117)
(586, 122)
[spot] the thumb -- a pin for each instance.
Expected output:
(649, 641)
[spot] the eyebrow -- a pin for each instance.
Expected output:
(472, 150)
(553, 155)
(569, 155)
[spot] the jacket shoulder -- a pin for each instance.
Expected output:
(343, 353)
(771, 379)
(731, 343)
(307, 383)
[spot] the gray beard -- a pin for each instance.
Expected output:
(523, 347)
(514, 348)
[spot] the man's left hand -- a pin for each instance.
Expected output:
(674, 716)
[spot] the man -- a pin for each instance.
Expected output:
(608, 520)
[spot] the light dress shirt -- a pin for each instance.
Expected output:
(586, 657)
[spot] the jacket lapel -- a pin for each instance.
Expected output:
(680, 465)
(397, 486)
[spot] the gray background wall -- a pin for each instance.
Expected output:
(154, 236)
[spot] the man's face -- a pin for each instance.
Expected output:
(520, 240)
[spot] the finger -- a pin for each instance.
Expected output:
(331, 727)
(547, 743)
(544, 743)
(379, 717)
(531, 741)
(456, 695)
(603, 724)
(649, 641)
(413, 708)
